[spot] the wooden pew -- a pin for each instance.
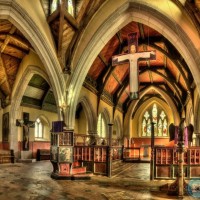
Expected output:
(43, 154)
(7, 156)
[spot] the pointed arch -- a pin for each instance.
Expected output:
(104, 117)
(132, 107)
(90, 114)
(45, 125)
(117, 127)
(118, 17)
(16, 101)
(45, 119)
(39, 39)
(107, 115)
(197, 115)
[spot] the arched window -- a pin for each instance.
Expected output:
(54, 5)
(38, 128)
(156, 115)
(101, 126)
(70, 7)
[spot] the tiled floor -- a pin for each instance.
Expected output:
(22, 181)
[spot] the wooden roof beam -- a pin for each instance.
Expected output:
(6, 75)
(82, 11)
(60, 34)
(177, 64)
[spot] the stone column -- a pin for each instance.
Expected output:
(152, 152)
(197, 139)
(110, 128)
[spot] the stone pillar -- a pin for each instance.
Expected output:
(198, 139)
(177, 187)
(152, 152)
(110, 128)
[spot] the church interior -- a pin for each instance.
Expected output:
(75, 99)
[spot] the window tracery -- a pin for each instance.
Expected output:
(158, 117)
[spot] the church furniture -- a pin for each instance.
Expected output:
(166, 162)
(7, 156)
(62, 154)
(43, 154)
(146, 148)
(93, 157)
(131, 154)
(61, 150)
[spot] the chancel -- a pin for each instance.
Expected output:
(93, 95)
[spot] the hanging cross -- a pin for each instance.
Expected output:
(26, 124)
(133, 57)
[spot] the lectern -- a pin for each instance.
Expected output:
(61, 150)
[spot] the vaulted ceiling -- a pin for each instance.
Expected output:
(168, 73)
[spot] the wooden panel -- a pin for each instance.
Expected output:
(195, 171)
(163, 171)
(100, 168)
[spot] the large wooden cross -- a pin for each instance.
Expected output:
(26, 124)
(133, 57)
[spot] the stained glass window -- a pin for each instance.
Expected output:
(154, 114)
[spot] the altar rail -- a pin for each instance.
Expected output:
(95, 158)
(166, 166)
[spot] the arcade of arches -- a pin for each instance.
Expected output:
(56, 65)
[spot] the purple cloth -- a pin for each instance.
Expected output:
(176, 135)
(186, 136)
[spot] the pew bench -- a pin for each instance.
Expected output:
(43, 154)
(7, 156)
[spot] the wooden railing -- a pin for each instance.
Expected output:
(85, 140)
(131, 153)
(166, 166)
(95, 158)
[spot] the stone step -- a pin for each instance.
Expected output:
(78, 170)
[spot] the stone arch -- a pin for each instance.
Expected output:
(16, 100)
(106, 116)
(46, 125)
(197, 115)
(131, 11)
(118, 124)
(189, 114)
(42, 116)
(90, 114)
(13, 12)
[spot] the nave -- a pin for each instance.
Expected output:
(31, 181)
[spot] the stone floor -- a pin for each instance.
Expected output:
(32, 181)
